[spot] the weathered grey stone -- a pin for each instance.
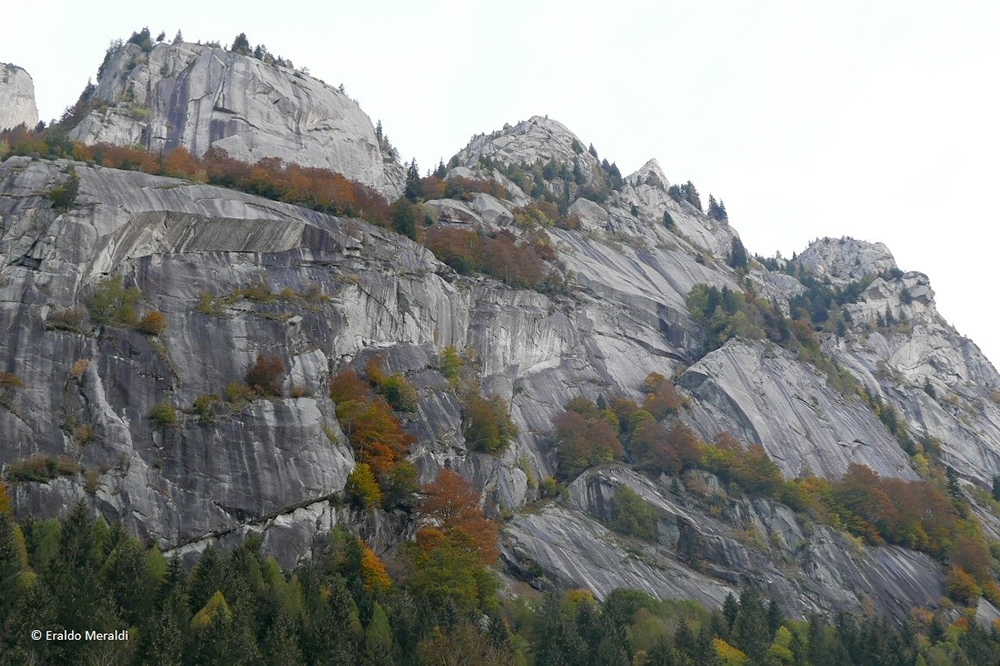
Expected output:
(17, 98)
(278, 467)
(763, 395)
(844, 260)
(201, 97)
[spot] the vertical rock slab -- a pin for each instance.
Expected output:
(17, 98)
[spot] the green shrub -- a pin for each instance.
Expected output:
(452, 362)
(399, 392)
(64, 196)
(204, 408)
(113, 304)
(238, 392)
(163, 414)
(362, 488)
(486, 425)
(632, 516)
(400, 486)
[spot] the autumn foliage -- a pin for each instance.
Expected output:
(662, 398)
(265, 375)
(455, 545)
(584, 438)
(453, 506)
(519, 264)
(375, 433)
(319, 189)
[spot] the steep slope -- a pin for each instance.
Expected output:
(200, 97)
(17, 98)
(236, 276)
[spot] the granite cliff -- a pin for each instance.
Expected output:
(200, 97)
(236, 276)
(17, 98)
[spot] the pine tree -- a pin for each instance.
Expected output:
(774, 616)
(954, 489)
(738, 254)
(241, 45)
(414, 187)
(404, 218)
(730, 609)
(750, 631)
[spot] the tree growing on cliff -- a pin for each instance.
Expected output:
(241, 45)
(414, 189)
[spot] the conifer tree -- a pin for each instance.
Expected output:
(414, 187)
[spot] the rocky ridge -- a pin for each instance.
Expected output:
(17, 98)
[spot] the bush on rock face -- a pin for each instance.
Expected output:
(486, 425)
(264, 376)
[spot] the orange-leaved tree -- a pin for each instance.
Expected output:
(453, 550)
(375, 433)
(453, 506)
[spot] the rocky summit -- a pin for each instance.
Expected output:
(135, 307)
(17, 98)
(199, 97)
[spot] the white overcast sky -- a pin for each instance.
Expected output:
(877, 120)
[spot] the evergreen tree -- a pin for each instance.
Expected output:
(750, 631)
(713, 207)
(685, 641)
(775, 618)
(738, 254)
(241, 45)
(730, 609)
(404, 218)
(691, 194)
(954, 488)
(414, 187)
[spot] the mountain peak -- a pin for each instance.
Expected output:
(650, 174)
(846, 259)
(201, 97)
(539, 138)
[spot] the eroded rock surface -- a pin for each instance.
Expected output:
(201, 97)
(17, 98)
(340, 291)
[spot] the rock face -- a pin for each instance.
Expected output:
(701, 557)
(17, 98)
(201, 97)
(763, 395)
(337, 292)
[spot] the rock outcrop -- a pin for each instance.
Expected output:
(17, 98)
(201, 97)
(844, 260)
